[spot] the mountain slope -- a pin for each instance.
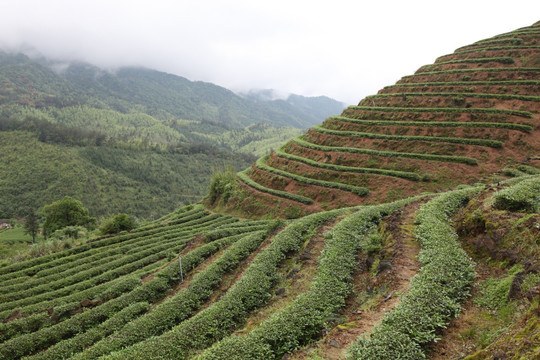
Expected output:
(466, 116)
(164, 96)
(451, 274)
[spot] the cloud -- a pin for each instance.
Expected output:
(342, 49)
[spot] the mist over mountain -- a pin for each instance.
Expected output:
(155, 93)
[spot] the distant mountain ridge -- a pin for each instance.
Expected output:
(316, 107)
(155, 93)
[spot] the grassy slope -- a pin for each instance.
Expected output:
(13, 241)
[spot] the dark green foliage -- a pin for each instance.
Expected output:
(31, 226)
(66, 212)
(151, 291)
(395, 173)
(156, 94)
(297, 324)
(456, 94)
(435, 293)
(183, 304)
(525, 114)
(156, 136)
(468, 72)
(501, 60)
(247, 294)
(53, 132)
(116, 224)
(510, 126)
(444, 158)
(222, 184)
(512, 40)
(394, 345)
(512, 172)
(293, 212)
(107, 180)
(468, 83)
(528, 169)
(476, 70)
(237, 228)
(77, 343)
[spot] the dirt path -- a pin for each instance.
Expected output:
(395, 270)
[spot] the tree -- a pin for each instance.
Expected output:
(66, 212)
(223, 183)
(31, 226)
(116, 224)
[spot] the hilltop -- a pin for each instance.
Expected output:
(452, 273)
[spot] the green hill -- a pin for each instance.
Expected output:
(311, 287)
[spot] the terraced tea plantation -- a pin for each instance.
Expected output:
(211, 286)
(389, 270)
(453, 122)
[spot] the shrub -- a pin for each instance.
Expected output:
(512, 172)
(497, 125)
(529, 170)
(445, 158)
(293, 212)
(248, 293)
(66, 212)
(313, 310)
(523, 196)
(223, 183)
(184, 303)
(401, 174)
(393, 109)
(361, 191)
(116, 224)
(460, 97)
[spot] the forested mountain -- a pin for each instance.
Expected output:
(311, 108)
(42, 83)
(154, 137)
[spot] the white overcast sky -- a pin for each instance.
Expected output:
(342, 49)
